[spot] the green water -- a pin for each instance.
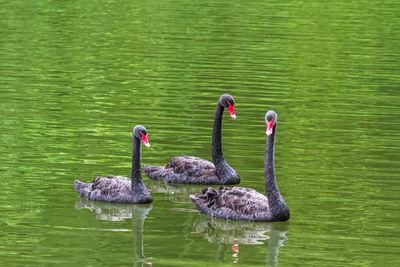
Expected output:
(76, 76)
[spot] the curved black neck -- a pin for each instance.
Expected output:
(276, 203)
(222, 168)
(216, 143)
(136, 172)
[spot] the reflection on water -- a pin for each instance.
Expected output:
(231, 234)
(119, 212)
(228, 235)
(174, 192)
(106, 211)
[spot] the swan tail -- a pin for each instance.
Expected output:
(153, 172)
(206, 201)
(82, 189)
(197, 201)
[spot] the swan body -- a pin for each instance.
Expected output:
(246, 204)
(189, 170)
(118, 189)
(194, 170)
(236, 203)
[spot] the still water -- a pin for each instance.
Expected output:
(76, 76)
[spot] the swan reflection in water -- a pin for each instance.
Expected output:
(118, 212)
(175, 193)
(229, 235)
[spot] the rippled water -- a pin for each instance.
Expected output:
(77, 76)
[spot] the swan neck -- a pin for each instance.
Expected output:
(216, 143)
(136, 173)
(278, 209)
(271, 186)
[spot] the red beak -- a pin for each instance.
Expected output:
(231, 110)
(145, 140)
(235, 247)
(270, 126)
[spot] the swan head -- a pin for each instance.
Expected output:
(140, 132)
(271, 119)
(227, 101)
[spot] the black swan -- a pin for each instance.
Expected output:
(120, 189)
(246, 204)
(193, 170)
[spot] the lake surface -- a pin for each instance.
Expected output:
(77, 76)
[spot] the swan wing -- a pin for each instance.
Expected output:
(110, 188)
(236, 203)
(184, 170)
(191, 166)
(241, 200)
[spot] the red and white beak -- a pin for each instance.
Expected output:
(145, 140)
(270, 126)
(231, 110)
